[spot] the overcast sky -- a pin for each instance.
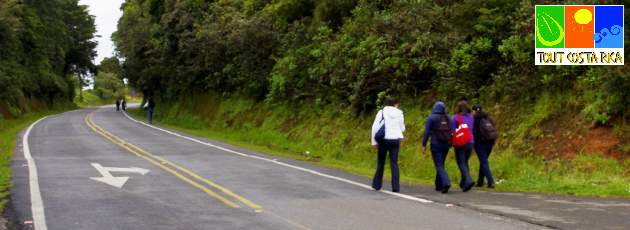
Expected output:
(107, 13)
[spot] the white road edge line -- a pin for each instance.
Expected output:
(37, 205)
(408, 197)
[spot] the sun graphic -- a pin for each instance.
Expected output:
(583, 16)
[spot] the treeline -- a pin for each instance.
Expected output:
(108, 85)
(351, 52)
(44, 46)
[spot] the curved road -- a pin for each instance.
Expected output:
(98, 169)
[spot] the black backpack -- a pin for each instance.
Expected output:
(487, 129)
(443, 129)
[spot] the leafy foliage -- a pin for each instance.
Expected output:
(348, 52)
(44, 43)
(108, 86)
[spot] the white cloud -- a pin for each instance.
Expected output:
(107, 13)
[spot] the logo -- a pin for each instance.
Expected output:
(579, 35)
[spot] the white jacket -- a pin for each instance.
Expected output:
(394, 123)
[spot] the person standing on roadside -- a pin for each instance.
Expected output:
(462, 124)
(485, 134)
(150, 108)
(124, 104)
(387, 132)
(438, 128)
(117, 105)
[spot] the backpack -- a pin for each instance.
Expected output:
(462, 135)
(487, 129)
(380, 134)
(443, 129)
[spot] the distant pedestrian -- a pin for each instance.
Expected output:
(387, 132)
(150, 108)
(462, 139)
(124, 104)
(485, 134)
(117, 105)
(438, 128)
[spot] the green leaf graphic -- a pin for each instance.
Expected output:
(549, 26)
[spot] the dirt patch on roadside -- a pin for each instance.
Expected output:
(4, 112)
(568, 136)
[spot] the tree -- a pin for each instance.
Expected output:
(45, 44)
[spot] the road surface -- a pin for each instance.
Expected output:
(98, 169)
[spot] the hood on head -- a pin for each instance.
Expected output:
(439, 108)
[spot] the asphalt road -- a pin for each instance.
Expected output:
(91, 174)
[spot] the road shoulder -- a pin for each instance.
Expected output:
(539, 209)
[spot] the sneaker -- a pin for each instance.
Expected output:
(445, 189)
(490, 185)
(467, 188)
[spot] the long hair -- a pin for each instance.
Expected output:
(463, 107)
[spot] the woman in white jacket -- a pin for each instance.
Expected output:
(394, 122)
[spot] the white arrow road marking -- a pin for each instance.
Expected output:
(130, 170)
(109, 179)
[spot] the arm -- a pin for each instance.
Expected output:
(402, 123)
(427, 131)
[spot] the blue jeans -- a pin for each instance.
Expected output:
(462, 155)
(483, 151)
(150, 115)
(391, 146)
(439, 152)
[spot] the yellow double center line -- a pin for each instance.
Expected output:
(178, 171)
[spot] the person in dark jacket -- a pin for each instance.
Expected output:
(117, 105)
(462, 154)
(123, 104)
(439, 145)
(483, 148)
(150, 108)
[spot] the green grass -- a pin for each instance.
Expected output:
(9, 129)
(92, 100)
(339, 140)
(89, 100)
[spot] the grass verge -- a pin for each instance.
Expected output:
(9, 129)
(334, 139)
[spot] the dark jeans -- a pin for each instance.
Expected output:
(462, 155)
(439, 152)
(150, 115)
(483, 151)
(391, 146)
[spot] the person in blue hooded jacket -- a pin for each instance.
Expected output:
(438, 128)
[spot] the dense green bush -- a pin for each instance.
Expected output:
(347, 52)
(107, 86)
(43, 44)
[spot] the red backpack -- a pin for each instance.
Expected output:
(462, 135)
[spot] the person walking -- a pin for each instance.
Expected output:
(124, 104)
(387, 132)
(117, 105)
(485, 134)
(150, 108)
(462, 124)
(438, 128)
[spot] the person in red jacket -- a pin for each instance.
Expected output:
(463, 152)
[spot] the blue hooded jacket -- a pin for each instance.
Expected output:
(439, 109)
